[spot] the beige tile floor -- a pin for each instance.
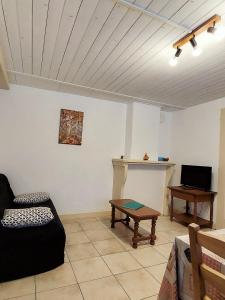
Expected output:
(100, 264)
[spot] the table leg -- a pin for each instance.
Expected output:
(195, 212)
(113, 217)
(135, 237)
(211, 213)
(153, 237)
(171, 209)
(127, 220)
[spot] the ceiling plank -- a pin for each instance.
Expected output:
(144, 38)
(127, 78)
(97, 22)
(119, 52)
(51, 84)
(164, 37)
(135, 32)
(124, 26)
(54, 17)
(4, 81)
(115, 68)
(40, 13)
(24, 8)
(67, 23)
(4, 41)
(11, 19)
(205, 11)
(165, 10)
(162, 75)
(83, 18)
(111, 24)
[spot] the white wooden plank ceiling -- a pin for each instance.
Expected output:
(103, 49)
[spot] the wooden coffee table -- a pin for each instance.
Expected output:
(144, 213)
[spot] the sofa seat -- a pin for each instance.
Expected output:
(33, 250)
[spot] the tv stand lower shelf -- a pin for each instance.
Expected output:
(187, 219)
(191, 196)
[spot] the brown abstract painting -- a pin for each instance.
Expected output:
(71, 126)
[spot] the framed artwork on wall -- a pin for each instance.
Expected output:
(71, 127)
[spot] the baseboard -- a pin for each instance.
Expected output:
(68, 218)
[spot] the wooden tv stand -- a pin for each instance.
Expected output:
(195, 196)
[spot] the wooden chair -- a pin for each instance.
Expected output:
(201, 272)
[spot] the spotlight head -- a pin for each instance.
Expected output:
(193, 42)
(211, 29)
(218, 32)
(178, 52)
(173, 60)
(196, 50)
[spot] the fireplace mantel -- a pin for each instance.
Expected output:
(120, 169)
(121, 162)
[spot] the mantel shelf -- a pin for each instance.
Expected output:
(120, 162)
(120, 171)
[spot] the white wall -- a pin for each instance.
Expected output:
(146, 185)
(165, 134)
(129, 130)
(79, 178)
(144, 136)
(145, 133)
(195, 137)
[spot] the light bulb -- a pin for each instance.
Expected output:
(219, 33)
(173, 61)
(196, 51)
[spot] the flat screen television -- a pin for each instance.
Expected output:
(196, 177)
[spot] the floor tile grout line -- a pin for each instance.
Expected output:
(160, 281)
(111, 275)
(30, 294)
(52, 289)
(85, 259)
(149, 265)
(121, 286)
(149, 297)
(76, 279)
(153, 276)
(106, 266)
(91, 280)
(130, 272)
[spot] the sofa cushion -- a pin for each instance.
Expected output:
(27, 217)
(6, 193)
(31, 198)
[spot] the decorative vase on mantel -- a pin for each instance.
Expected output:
(146, 157)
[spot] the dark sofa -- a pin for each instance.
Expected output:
(28, 251)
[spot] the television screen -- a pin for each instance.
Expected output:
(196, 176)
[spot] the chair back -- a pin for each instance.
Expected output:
(201, 272)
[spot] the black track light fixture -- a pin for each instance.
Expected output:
(173, 60)
(196, 50)
(212, 29)
(218, 32)
(212, 26)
